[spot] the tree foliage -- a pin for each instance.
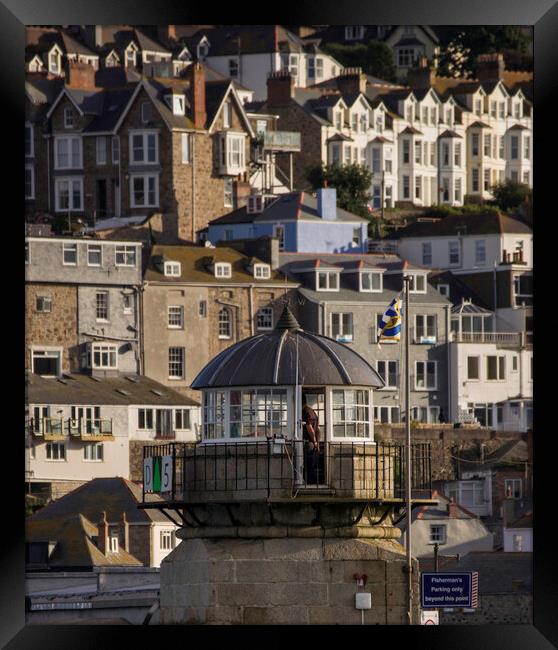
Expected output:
(375, 58)
(509, 195)
(352, 183)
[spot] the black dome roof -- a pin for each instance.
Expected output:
(271, 359)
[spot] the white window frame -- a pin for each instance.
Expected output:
(48, 352)
(421, 322)
(148, 418)
(69, 139)
(30, 167)
(223, 270)
(92, 449)
(228, 157)
(144, 133)
(480, 260)
(500, 376)
(221, 321)
(104, 307)
(425, 374)
(172, 269)
(179, 361)
(414, 283)
(126, 251)
(342, 336)
(441, 537)
(446, 290)
(262, 271)
(451, 244)
(328, 275)
(371, 274)
(146, 203)
(167, 540)
(175, 313)
(368, 421)
(101, 150)
(478, 358)
(71, 206)
(49, 448)
(386, 375)
(101, 349)
(426, 253)
(264, 319)
(227, 114)
(68, 247)
(69, 118)
(186, 148)
(90, 249)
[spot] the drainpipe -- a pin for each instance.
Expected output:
(193, 159)
(251, 308)
(48, 172)
(139, 321)
(495, 299)
(448, 361)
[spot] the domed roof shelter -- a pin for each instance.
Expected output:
(272, 359)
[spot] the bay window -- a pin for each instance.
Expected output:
(104, 356)
(232, 153)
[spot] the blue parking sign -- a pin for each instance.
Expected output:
(449, 590)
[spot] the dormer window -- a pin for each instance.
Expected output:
(172, 269)
(418, 283)
(262, 271)
(327, 281)
(176, 103)
(68, 118)
(54, 61)
(371, 281)
(223, 270)
(130, 56)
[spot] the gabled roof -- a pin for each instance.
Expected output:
(488, 223)
(411, 130)
(448, 133)
(479, 124)
(468, 307)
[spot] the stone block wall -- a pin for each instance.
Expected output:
(283, 581)
(500, 609)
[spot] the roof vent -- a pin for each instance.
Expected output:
(287, 321)
(157, 392)
(122, 392)
(134, 379)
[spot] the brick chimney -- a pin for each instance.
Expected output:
(80, 75)
(103, 531)
(351, 81)
(280, 88)
(195, 73)
(490, 67)
(421, 77)
(452, 509)
(124, 536)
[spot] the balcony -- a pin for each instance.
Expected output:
(91, 430)
(281, 141)
(507, 339)
(47, 428)
(283, 470)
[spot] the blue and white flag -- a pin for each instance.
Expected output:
(389, 327)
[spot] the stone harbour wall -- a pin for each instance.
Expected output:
(500, 609)
(283, 581)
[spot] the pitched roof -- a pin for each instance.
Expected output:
(466, 224)
(412, 131)
(84, 389)
(525, 521)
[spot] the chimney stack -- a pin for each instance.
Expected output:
(195, 73)
(421, 77)
(125, 532)
(327, 203)
(490, 67)
(351, 81)
(103, 531)
(452, 509)
(280, 88)
(80, 75)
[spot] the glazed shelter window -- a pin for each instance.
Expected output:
(351, 413)
(260, 412)
(213, 414)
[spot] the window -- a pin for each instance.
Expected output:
(185, 138)
(144, 148)
(46, 362)
(480, 252)
(29, 143)
(327, 281)
(227, 114)
(176, 363)
(356, 241)
(445, 189)
(425, 375)
(473, 368)
(68, 118)
(502, 111)
(406, 188)
(54, 62)
(223, 270)
(125, 256)
(376, 162)
(145, 419)
(406, 150)
(93, 451)
(388, 372)
(232, 153)
(101, 302)
(68, 194)
(526, 178)
(68, 152)
(94, 255)
(475, 144)
(29, 182)
(426, 253)
(514, 147)
(233, 68)
(264, 318)
(418, 152)
(526, 147)
(225, 325)
(458, 190)
(354, 32)
(523, 289)
(146, 112)
(172, 269)
(351, 413)
(319, 67)
(113, 542)
(56, 451)
(104, 356)
(69, 254)
(418, 283)
(386, 414)
(425, 328)
(144, 191)
(514, 362)
(370, 281)
(512, 488)
(228, 193)
(43, 304)
(202, 309)
(262, 271)
(475, 180)
(115, 149)
(487, 143)
(453, 252)
(486, 177)
(342, 327)
(176, 317)
(127, 303)
(495, 368)
(437, 534)
(182, 419)
(101, 150)
(405, 57)
(167, 540)
(457, 154)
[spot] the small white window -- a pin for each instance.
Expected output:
(145, 419)
(125, 256)
(437, 534)
(68, 118)
(223, 270)
(94, 255)
(104, 356)
(176, 363)
(176, 317)
(44, 304)
(370, 281)
(342, 327)
(418, 283)
(264, 318)
(182, 420)
(327, 281)
(69, 254)
(93, 451)
(167, 540)
(186, 148)
(227, 114)
(115, 149)
(102, 305)
(443, 290)
(47, 362)
(425, 375)
(262, 271)
(388, 371)
(144, 190)
(68, 194)
(56, 451)
(101, 148)
(173, 269)
(225, 323)
(113, 543)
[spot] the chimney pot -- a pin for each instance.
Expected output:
(280, 88)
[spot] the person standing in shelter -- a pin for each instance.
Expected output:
(311, 437)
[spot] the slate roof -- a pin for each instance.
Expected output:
(459, 290)
(84, 389)
(439, 511)
(196, 260)
(489, 223)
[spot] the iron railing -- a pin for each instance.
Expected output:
(277, 468)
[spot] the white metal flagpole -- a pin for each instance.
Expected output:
(407, 280)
